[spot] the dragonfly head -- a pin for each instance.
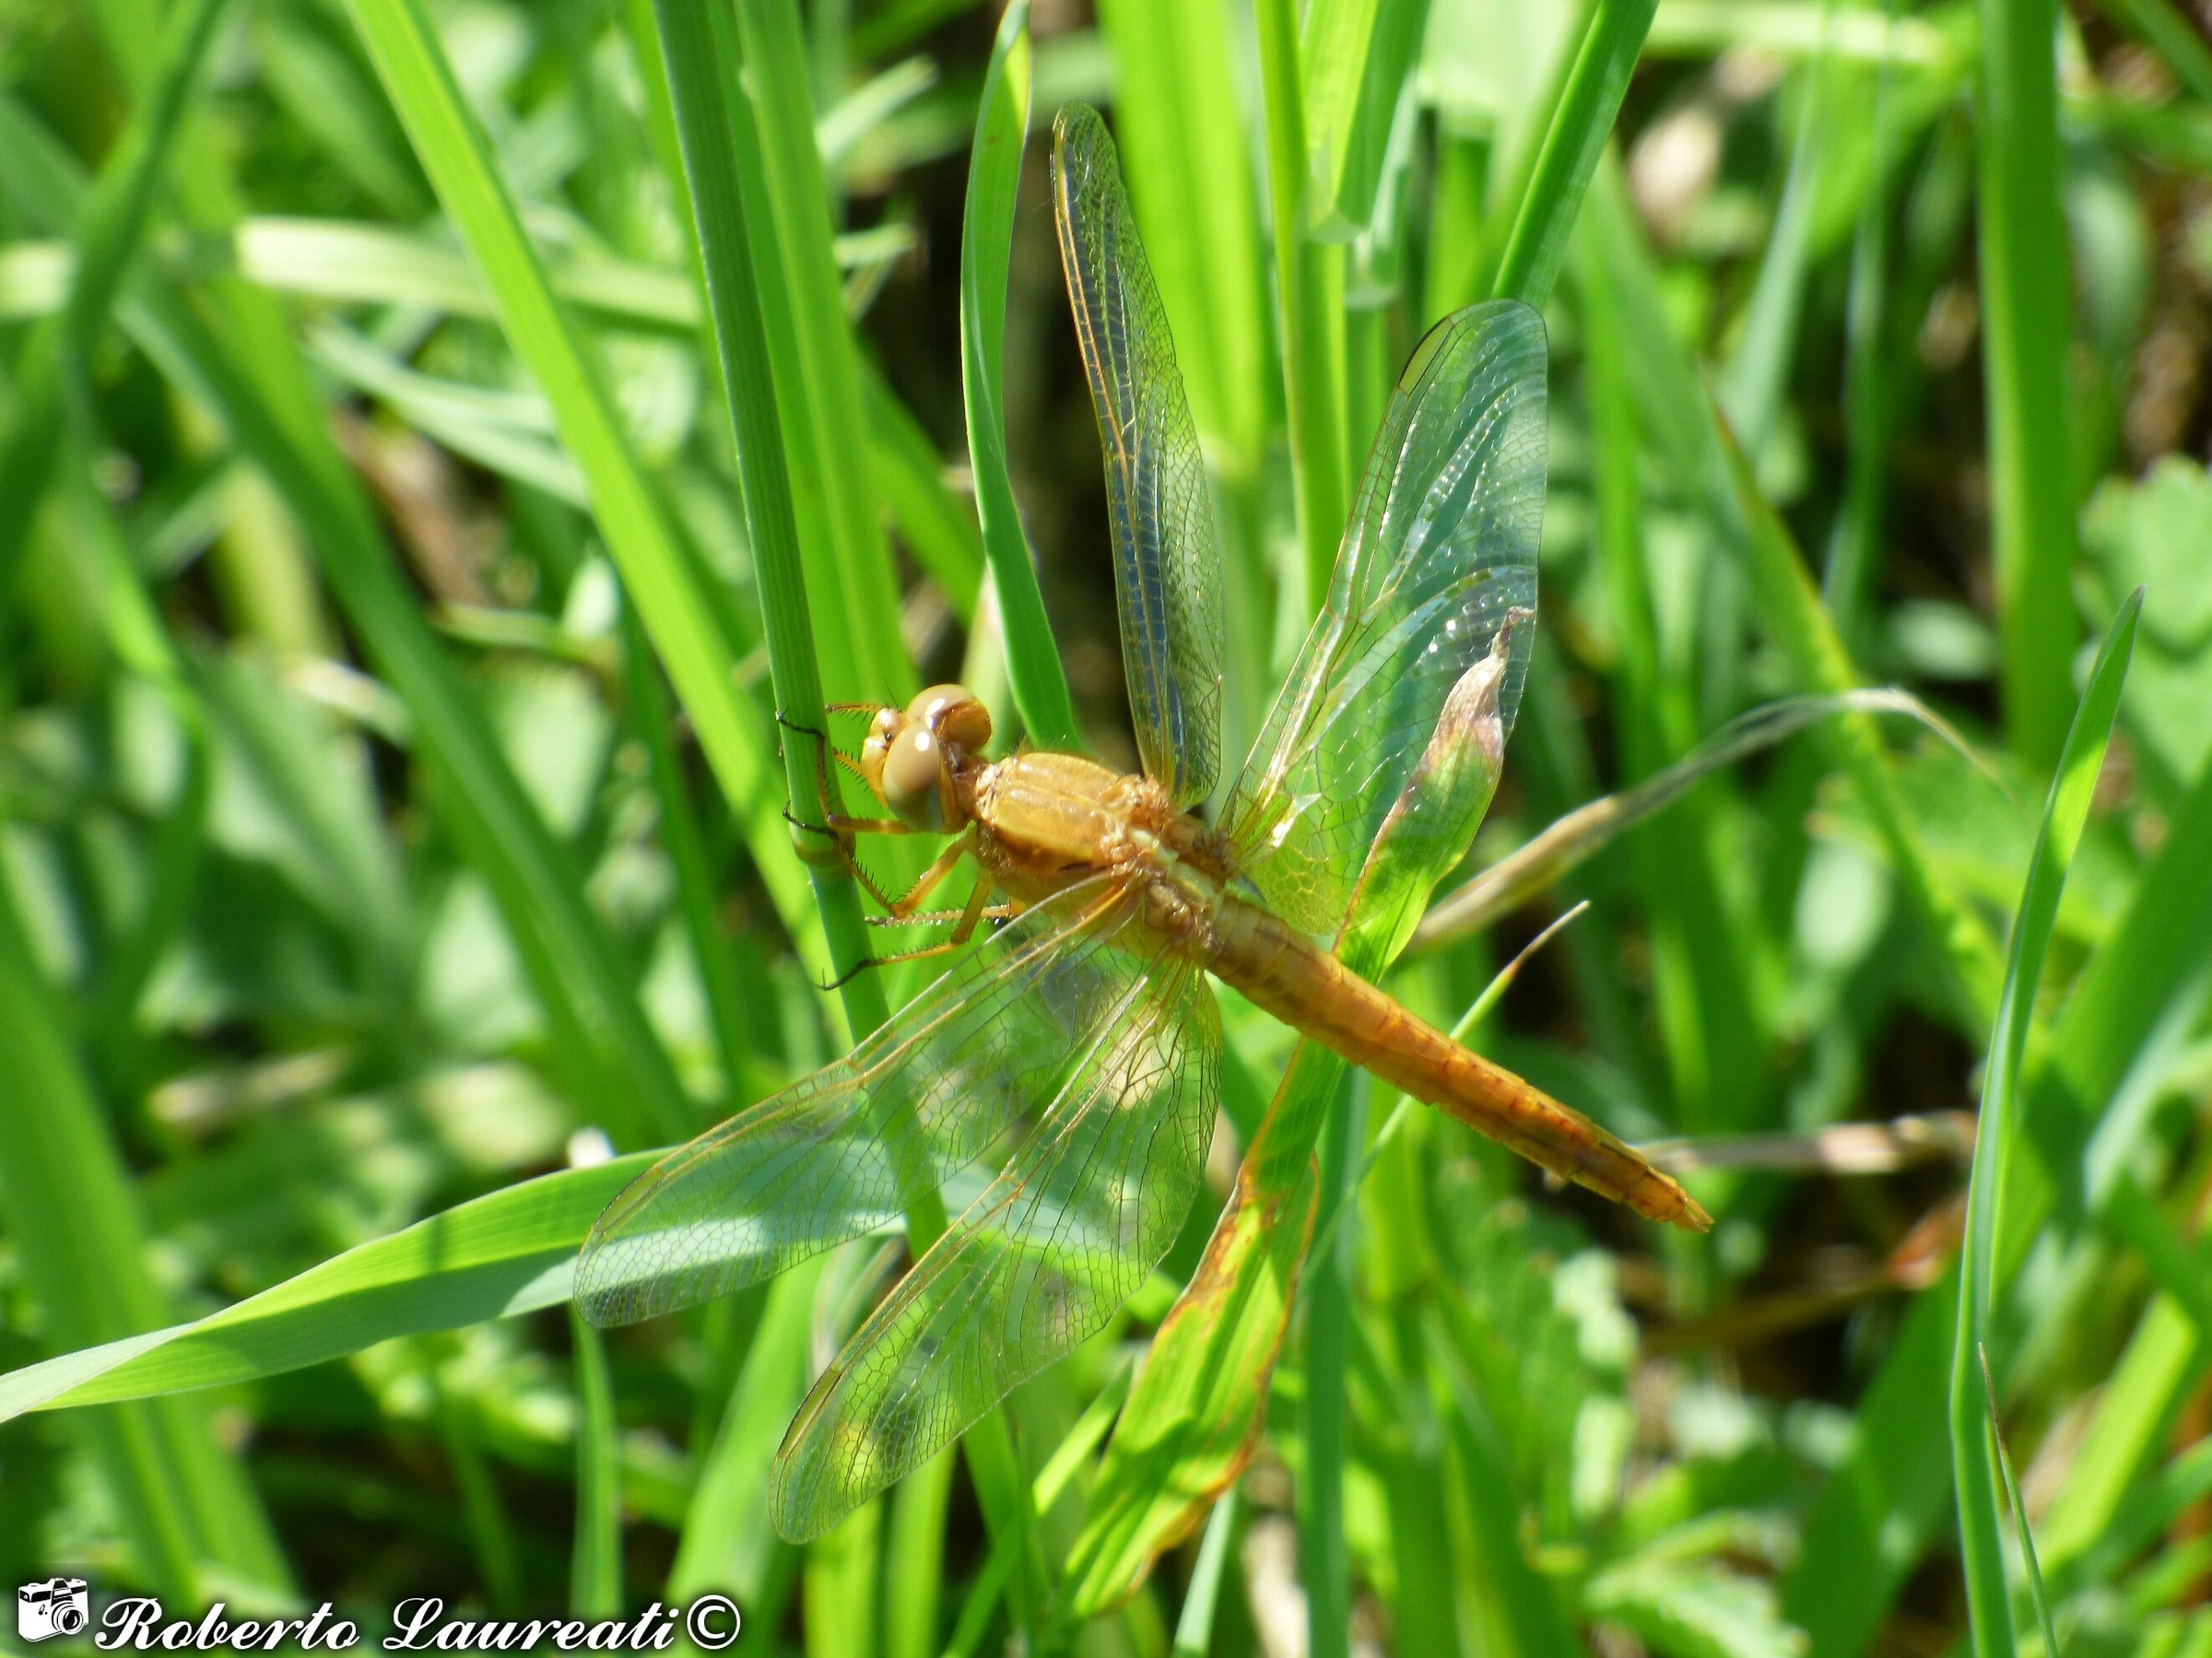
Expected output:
(912, 753)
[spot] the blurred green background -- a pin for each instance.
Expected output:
(392, 815)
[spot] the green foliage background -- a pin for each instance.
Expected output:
(436, 436)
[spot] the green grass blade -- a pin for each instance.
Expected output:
(2171, 36)
(1754, 383)
(2038, 1596)
(691, 58)
(938, 529)
(913, 1564)
(114, 220)
(1543, 214)
(596, 1564)
(584, 992)
(512, 1252)
(692, 54)
(1308, 280)
(1355, 56)
(2026, 307)
(1324, 1559)
(841, 1586)
(726, 1542)
(1001, 124)
(71, 1218)
(687, 851)
(770, 111)
(1190, 179)
(680, 618)
(1195, 1623)
(2065, 812)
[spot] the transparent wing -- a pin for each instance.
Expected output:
(1166, 566)
(1059, 1239)
(831, 1158)
(1440, 553)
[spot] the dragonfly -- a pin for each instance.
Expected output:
(1071, 1058)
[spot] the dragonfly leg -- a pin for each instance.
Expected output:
(937, 918)
(933, 876)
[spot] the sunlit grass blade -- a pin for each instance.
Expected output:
(604, 1044)
(1190, 179)
(726, 1542)
(1566, 840)
(913, 1564)
(595, 1563)
(2038, 1596)
(2027, 309)
(1356, 56)
(1194, 1624)
(986, 245)
(766, 91)
(1308, 280)
(691, 56)
(1530, 254)
(2065, 812)
(512, 1252)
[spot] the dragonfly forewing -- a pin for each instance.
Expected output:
(1439, 553)
(1166, 560)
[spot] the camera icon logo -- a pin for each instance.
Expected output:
(57, 1607)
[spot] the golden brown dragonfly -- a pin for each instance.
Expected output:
(1073, 1056)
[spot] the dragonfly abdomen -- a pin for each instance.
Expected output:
(1306, 987)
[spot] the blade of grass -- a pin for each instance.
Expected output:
(111, 223)
(1325, 1560)
(1357, 57)
(679, 616)
(1309, 278)
(841, 1586)
(608, 1050)
(596, 1564)
(1756, 380)
(914, 1561)
(1195, 1623)
(1877, 1510)
(512, 1252)
(1532, 250)
(1189, 168)
(70, 1213)
(2026, 311)
(2170, 35)
(2065, 812)
(1709, 1020)
(2038, 1596)
(774, 91)
(938, 529)
(695, 885)
(1001, 124)
(1846, 583)
(142, 644)
(727, 1543)
(691, 56)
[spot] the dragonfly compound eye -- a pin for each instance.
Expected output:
(912, 771)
